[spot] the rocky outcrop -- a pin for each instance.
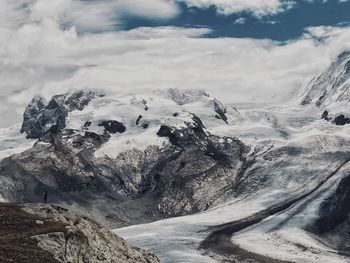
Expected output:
(333, 224)
(112, 126)
(341, 120)
(203, 172)
(220, 110)
(335, 210)
(338, 120)
(48, 233)
(40, 118)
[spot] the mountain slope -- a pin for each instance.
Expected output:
(46, 233)
(330, 91)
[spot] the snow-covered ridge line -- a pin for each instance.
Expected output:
(330, 91)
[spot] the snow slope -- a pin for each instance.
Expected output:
(171, 107)
(331, 89)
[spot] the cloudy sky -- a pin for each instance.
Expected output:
(238, 50)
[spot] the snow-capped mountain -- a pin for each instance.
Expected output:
(330, 91)
(260, 183)
(126, 160)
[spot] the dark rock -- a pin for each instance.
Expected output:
(336, 209)
(166, 131)
(341, 120)
(112, 126)
(98, 137)
(195, 136)
(138, 119)
(338, 120)
(78, 100)
(144, 102)
(197, 120)
(40, 119)
(87, 124)
(333, 224)
(220, 110)
(325, 115)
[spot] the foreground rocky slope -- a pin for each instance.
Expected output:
(45, 233)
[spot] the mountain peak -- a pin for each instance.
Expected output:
(41, 118)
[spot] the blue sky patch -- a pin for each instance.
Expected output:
(283, 26)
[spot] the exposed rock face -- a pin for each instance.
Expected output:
(203, 173)
(40, 119)
(336, 209)
(338, 120)
(341, 120)
(112, 126)
(220, 110)
(45, 233)
(333, 224)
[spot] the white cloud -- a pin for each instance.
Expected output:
(240, 21)
(93, 15)
(12, 13)
(39, 57)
